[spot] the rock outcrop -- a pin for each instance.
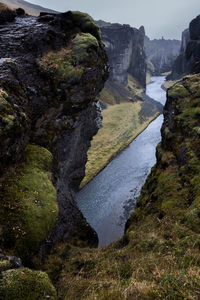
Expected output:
(52, 69)
(161, 54)
(188, 60)
(125, 49)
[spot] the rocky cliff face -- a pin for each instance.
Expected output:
(124, 46)
(161, 54)
(189, 57)
(52, 69)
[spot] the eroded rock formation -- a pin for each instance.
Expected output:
(189, 57)
(124, 46)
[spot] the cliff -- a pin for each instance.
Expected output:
(158, 257)
(161, 54)
(124, 46)
(52, 69)
(189, 57)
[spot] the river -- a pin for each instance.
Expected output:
(107, 201)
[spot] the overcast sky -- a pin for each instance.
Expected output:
(166, 18)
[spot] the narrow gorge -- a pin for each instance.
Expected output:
(90, 208)
(110, 197)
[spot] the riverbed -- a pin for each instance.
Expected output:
(108, 200)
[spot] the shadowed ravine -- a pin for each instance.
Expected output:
(109, 198)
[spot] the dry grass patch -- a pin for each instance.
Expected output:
(121, 124)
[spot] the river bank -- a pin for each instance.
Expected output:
(121, 126)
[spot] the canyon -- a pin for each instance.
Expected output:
(53, 71)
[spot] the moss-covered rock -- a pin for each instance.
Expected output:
(27, 285)
(86, 23)
(5, 265)
(67, 64)
(8, 119)
(178, 91)
(59, 65)
(28, 206)
(81, 45)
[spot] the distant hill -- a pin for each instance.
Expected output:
(29, 8)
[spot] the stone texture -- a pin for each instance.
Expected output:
(188, 60)
(125, 49)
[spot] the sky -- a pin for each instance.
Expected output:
(167, 18)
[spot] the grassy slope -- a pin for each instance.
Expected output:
(158, 257)
(122, 122)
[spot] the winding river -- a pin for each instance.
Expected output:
(107, 201)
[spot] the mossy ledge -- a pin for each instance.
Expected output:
(29, 204)
(158, 257)
(26, 284)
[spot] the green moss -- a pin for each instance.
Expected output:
(4, 104)
(27, 285)
(81, 44)
(86, 23)
(5, 265)
(28, 207)
(9, 122)
(7, 114)
(66, 65)
(60, 66)
(178, 91)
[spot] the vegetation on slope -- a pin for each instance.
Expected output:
(158, 257)
(26, 284)
(28, 208)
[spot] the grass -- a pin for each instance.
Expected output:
(121, 124)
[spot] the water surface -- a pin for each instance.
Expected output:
(107, 201)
